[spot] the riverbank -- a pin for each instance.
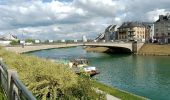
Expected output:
(123, 95)
(155, 49)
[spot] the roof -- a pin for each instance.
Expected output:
(131, 25)
(163, 18)
(110, 27)
(8, 37)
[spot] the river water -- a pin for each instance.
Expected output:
(147, 76)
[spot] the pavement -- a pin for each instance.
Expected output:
(110, 97)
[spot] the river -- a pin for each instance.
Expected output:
(147, 76)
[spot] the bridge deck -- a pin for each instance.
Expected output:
(20, 49)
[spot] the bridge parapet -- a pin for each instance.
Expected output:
(127, 45)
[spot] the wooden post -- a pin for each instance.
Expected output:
(10, 84)
(0, 72)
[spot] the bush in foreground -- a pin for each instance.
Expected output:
(50, 80)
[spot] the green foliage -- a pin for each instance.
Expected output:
(14, 42)
(2, 95)
(30, 40)
(49, 80)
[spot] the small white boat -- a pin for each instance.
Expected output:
(79, 65)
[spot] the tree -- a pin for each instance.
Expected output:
(30, 40)
(14, 42)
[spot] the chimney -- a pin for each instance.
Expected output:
(161, 17)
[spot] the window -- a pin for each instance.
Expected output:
(168, 34)
(156, 30)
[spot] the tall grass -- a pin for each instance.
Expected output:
(49, 80)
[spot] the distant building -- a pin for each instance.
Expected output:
(133, 31)
(152, 33)
(84, 38)
(7, 39)
(75, 40)
(108, 35)
(22, 42)
(37, 41)
(149, 31)
(63, 40)
(162, 29)
(50, 41)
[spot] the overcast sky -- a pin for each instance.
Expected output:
(70, 19)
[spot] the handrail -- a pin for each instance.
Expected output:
(22, 88)
(13, 88)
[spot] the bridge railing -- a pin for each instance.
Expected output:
(13, 88)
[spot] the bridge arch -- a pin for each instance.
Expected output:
(113, 47)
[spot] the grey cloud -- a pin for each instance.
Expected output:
(71, 19)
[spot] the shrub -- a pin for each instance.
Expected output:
(49, 80)
(30, 41)
(14, 42)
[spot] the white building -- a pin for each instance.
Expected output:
(75, 40)
(84, 38)
(50, 41)
(7, 39)
(22, 42)
(63, 40)
(37, 41)
(152, 31)
(2, 42)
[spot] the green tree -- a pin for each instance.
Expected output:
(30, 40)
(14, 42)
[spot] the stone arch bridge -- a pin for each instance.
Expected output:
(132, 47)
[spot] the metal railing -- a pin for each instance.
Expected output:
(13, 88)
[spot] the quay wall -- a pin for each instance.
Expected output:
(155, 49)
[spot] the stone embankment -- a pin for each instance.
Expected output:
(155, 49)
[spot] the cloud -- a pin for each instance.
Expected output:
(46, 19)
(154, 15)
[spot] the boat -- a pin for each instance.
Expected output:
(78, 63)
(81, 65)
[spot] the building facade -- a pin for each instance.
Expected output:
(108, 35)
(133, 31)
(162, 29)
(84, 38)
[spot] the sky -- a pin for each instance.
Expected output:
(71, 19)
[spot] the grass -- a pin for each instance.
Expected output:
(123, 95)
(2, 95)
